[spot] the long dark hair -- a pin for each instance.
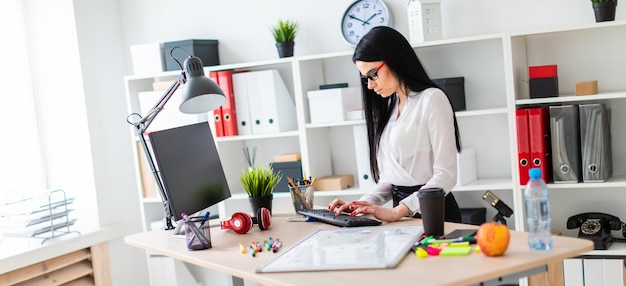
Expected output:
(388, 45)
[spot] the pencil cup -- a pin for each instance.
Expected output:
(197, 233)
(432, 205)
(302, 197)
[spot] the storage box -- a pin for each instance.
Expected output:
(548, 71)
(587, 87)
(287, 157)
(334, 182)
(287, 169)
(466, 166)
(455, 89)
(206, 50)
(147, 58)
(544, 87)
(475, 216)
(334, 104)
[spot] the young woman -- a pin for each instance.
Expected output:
(411, 129)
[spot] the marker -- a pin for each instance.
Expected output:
(277, 246)
(242, 248)
(430, 240)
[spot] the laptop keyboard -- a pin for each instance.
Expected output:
(329, 217)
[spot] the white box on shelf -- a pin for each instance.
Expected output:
(329, 105)
(147, 58)
(466, 166)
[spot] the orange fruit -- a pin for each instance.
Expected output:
(493, 238)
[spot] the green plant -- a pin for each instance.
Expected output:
(259, 181)
(285, 30)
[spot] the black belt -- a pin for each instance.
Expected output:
(401, 192)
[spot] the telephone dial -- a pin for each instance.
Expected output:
(597, 227)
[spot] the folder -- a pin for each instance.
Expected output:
(364, 175)
(595, 142)
(240, 92)
(270, 106)
(523, 145)
(539, 138)
(217, 113)
(593, 272)
(229, 113)
(573, 272)
(565, 138)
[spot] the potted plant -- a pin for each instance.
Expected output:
(604, 9)
(284, 33)
(259, 183)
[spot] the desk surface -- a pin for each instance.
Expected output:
(225, 257)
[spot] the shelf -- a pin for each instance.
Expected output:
(258, 136)
(486, 184)
(618, 181)
(616, 249)
(572, 98)
(335, 124)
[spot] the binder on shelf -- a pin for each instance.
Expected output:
(229, 112)
(217, 113)
(240, 90)
(539, 138)
(565, 138)
(364, 175)
(595, 142)
(523, 145)
(573, 272)
(270, 107)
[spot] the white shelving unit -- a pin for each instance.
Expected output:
(496, 83)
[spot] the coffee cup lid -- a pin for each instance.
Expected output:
(430, 193)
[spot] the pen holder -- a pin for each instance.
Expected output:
(302, 197)
(197, 233)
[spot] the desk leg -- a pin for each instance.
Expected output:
(234, 281)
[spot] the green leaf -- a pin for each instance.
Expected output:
(259, 181)
(285, 30)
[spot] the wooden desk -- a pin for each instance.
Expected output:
(518, 261)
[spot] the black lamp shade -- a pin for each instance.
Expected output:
(200, 93)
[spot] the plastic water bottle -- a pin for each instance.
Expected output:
(537, 206)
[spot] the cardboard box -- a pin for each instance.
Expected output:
(586, 87)
(455, 89)
(466, 166)
(331, 105)
(287, 157)
(334, 182)
(206, 50)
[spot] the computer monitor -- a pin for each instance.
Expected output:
(190, 168)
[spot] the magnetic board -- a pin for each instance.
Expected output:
(347, 248)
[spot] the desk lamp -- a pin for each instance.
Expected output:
(199, 94)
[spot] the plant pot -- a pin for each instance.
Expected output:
(285, 49)
(261, 202)
(604, 11)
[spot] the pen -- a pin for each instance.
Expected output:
(430, 240)
(277, 246)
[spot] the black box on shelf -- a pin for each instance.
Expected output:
(206, 50)
(455, 89)
(544, 87)
(475, 216)
(292, 170)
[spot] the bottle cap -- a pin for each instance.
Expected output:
(534, 173)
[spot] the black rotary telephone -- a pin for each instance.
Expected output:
(597, 227)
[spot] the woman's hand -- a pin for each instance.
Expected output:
(380, 213)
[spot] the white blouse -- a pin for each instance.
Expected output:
(417, 148)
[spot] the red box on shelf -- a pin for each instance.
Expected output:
(548, 71)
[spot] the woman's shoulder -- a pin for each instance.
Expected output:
(431, 93)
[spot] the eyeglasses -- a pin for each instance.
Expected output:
(372, 74)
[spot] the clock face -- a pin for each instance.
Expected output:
(361, 17)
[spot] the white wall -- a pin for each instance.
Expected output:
(242, 26)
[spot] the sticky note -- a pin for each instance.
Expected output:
(455, 251)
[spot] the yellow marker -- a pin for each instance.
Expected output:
(477, 249)
(460, 244)
(242, 248)
(421, 253)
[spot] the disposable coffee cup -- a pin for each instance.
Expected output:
(432, 205)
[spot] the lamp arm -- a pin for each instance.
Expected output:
(141, 126)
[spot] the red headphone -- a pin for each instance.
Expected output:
(241, 222)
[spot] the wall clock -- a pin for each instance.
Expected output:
(361, 16)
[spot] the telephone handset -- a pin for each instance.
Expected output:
(597, 227)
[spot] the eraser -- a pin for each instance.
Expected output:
(455, 251)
